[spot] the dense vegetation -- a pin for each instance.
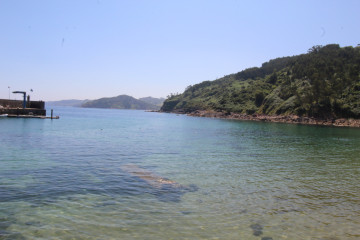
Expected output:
(323, 83)
(121, 102)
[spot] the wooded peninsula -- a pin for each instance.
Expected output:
(319, 87)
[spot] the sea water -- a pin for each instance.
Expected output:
(65, 178)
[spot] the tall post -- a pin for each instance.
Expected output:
(9, 92)
(28, 101)
(24, 102)
(51, 114)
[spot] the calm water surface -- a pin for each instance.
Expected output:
(71, 178)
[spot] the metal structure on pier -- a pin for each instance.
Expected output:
(24, 95)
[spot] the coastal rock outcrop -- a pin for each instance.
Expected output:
(342, 122)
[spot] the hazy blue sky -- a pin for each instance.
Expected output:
(87, 49)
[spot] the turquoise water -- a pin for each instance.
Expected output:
(78, 178)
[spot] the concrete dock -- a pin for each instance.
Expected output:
(31, 116)
(32, 109)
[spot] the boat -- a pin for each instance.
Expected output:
(3, 115)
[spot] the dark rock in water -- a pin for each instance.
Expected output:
(192, 188)
(186, 212)
(266, 238)
(107, 203)
(34, 223)
(257, 232)
(243, 211)
(257, 229)
(167, 195)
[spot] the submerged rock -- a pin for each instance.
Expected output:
(164, 188)
(151, 178)
(186, 212)
(257, 229)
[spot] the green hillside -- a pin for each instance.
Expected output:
(325, 82)
(120, 102)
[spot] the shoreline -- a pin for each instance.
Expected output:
(293, 119)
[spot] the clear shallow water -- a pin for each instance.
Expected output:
(65, 179)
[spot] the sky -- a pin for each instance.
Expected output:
(89, 49)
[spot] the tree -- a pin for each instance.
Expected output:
(259, 98)
(273, 78)
(315, 49)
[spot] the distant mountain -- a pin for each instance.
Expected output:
(155, 101)
(120, 102)
(67, 103)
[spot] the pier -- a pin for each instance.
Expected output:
(32, 116)
(24, 109)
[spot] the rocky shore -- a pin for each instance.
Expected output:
(341, 122)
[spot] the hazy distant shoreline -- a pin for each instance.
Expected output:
(118, 102)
